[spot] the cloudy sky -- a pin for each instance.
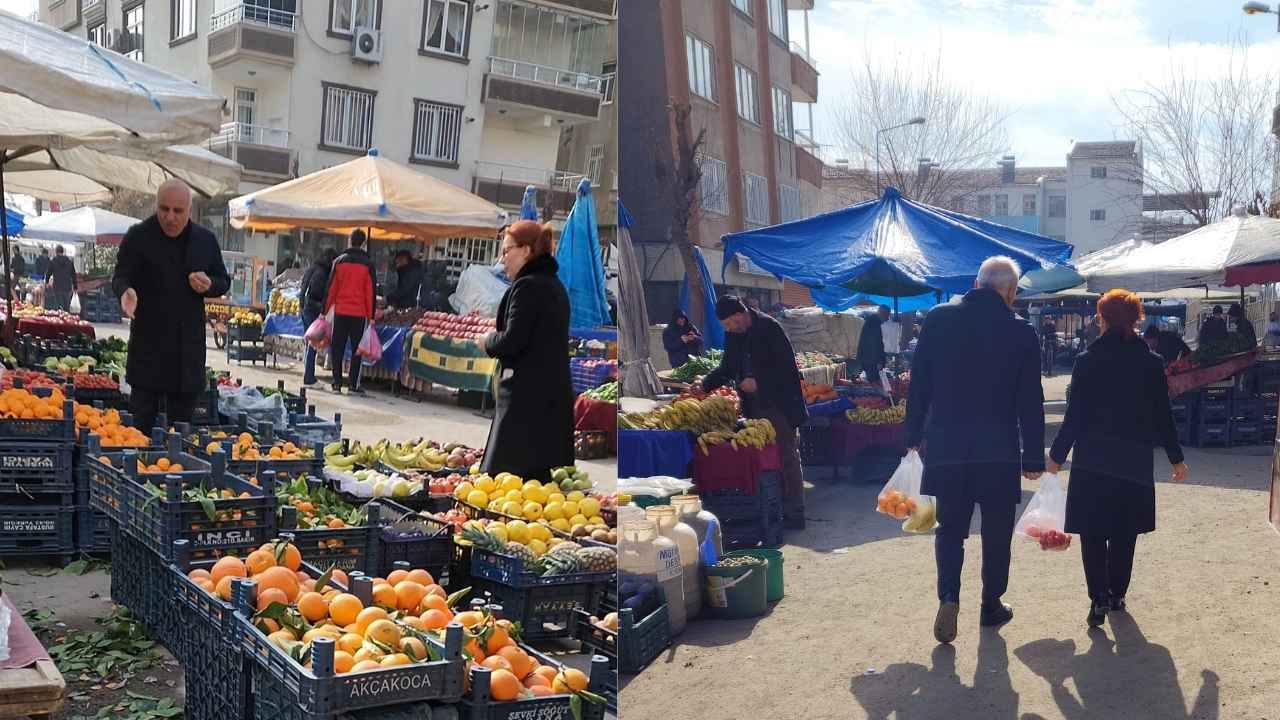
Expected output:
(1056, 64)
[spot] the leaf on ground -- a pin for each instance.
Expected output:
(79, 567)
(43, 572)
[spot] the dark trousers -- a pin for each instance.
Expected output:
(58, 300)
(309, 352)
(1108, 564)
(873, 372)
(145, 405)
(346, 329)
(789, 452)
(973, 485)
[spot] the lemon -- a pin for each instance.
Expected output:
(532, 484)
(477, 498)
(463, 491)
(578, 519)
(495, 505)
(596, 520)
(499, 531)
(570, 508)
(562, 525)
(518, 531)
(589, 506)
(514, 496)
(531, 510)
(539, 531)
(535, 493)
(577, 495)
(486, 483)
(553, 511)
(554, 497)
(512, 483)
(538, 547)
(496, 495)
(513, 508)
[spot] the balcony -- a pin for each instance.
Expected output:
(599, 8)
(504, 185)
(800, 4)
(808, 166)
(263, 152)
(250, 32)
(523, 88)
(804, 75)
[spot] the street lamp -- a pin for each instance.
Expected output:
(919, 120)
(1260, 8)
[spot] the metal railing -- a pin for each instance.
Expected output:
(276, 19)
(796, 49)
(236, 132)
(546, 75)
(517, 174)
(89, 3)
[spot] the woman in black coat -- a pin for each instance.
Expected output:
(311, 296)
(681, 339)
(1119, 410)
(532, 431)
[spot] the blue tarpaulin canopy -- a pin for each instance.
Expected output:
(581, 265)
(14, 221)
(892, 247)
(713, 333)
(529, 204)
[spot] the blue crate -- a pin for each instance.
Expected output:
(510, 571)
(604, 643)
(736, 505)
(431, 551)
(543, 611)
(141, 581)
(42, 431)
(480, 705)
(31, 467)
(93, 531)
(37, 529)
(642, 640)
(587, 378)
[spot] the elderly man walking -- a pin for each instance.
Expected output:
(976, 411)
(167, 266)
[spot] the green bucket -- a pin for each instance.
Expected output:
(774, 557)
(738, 591)
(644, 501)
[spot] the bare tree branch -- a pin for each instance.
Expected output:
(688, 178)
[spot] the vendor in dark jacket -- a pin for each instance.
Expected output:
(1119, 408)
(871, 354)
(977, 407)
(1168, 345)
(409, 274)
(759, 358)
(1242, 325)
(1213, 330)
(681, 338)
(166, 267)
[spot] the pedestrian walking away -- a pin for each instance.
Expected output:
(61, 282)
(313, 292)
(350, 296)
(871, 352)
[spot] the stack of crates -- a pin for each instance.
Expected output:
(749, 520)
(1270, 407)
(1246, 419)
(1183, 407)
(1213, 417)
(37, 486)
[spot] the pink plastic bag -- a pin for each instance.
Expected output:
(370, 346)
(320, 334)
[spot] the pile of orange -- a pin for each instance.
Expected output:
(514, 673)
(106, 423)
(896, 504)
(19, 404)
(246, 447)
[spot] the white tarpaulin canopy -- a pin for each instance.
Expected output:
(1244, 246)
(57, 186)
(84, 224)
(207, 173)
(372, 192)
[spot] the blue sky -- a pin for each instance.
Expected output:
(1056, 64)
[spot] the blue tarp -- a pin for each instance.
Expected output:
(836, 299)
(529, 204)
(15, 222)
(581, 265)
(713, 332)
(890, 247)
(283, 325)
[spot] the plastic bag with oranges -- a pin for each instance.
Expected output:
(900, 498)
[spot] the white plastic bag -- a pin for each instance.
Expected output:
(900, 498)
(478, 291)
(1044, 521)
(75, 303)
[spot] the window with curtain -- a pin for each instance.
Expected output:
(133, 26)
(444, 28)
(182, 19)
(778, 18)
(351, 14)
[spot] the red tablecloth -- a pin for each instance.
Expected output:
(848, 440)
(596, 416)
(35, 328)
(724, 468)
(24, 648)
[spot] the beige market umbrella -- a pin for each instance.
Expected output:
(390, 200)
(58, 186)
(119, 166)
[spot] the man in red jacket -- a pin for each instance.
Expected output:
(351, 298)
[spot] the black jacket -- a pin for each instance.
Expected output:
(871, 341)
(63, 273)
(1169, 346)
(975, 391)
(1213, 331)
(1245, 328)
(18, 266)
(763, 352)
(532, 429)
(314, 289)
(42, 266)
(678, 351)
(1119, 409)
(408, 286)
(167, 334)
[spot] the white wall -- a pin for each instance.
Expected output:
(510, 143)
(1118, 195)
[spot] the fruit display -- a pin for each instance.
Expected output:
(812, 359)
(245, 447)
(716, 413)
(8, 358)
(892, 415)
(695, 392)
(28, 378)
(919, 515)
(900, 385)
(454, 518)
(459, 327)
(698, 365)
(367, 484)
(248, 318)
(755, 433)
(86, 381)
(540, 557)
(1211, 353)
(609, 622)
(318, 507)
(607, 392)
(416, 455)
(408, 317)
(436, 485)
(817, 393)
(590, 445)
(281, 303)
(59, 319)
(18, 403)
(1049, 538)
(106, 423)
(563, 503)
(871, 402)
(68, 364)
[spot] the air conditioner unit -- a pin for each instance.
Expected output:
(366, 45)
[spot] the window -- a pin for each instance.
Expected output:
(609, 73)
(778, 18)
(1098, 172)
(1057, 206)
(711, 188)
(347, 118)
(1098, 215)
(782, 113)
(1002, 205)
(1029, 204)
(984, 205)
(743, 5)
(789, 203)
(957, 203)
(444, 27)
(246, 110)
(757, 192)
(701, 67)
(748, 100)
(275, 13)
(437, 132)
(182, 19)
(133, 27)
(98, 34)
(595, 164)
(351, 14)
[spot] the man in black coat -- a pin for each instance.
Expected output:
(759, 358)
(976, 409)
(61, 282)
(1168, 345)
(1213, 330)
(409, 273)
(166, 267)
(42, 264)
(871, 352)
(1242, 325)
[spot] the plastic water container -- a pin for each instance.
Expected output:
(645, 556)
(704, 523)
(686, 540)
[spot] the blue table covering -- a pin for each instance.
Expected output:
(603, 334)
(283, 325)
(831, 408)
(646, 453)
(393, 339)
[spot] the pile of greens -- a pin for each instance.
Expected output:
(1234, 344)
(698, 365)
(607, 392)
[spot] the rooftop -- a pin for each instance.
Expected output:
(1123, 149)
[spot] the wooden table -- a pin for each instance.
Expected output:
(33, 690)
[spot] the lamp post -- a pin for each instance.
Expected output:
(912, 121)
(1261, 8)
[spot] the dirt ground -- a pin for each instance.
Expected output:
(853, 636)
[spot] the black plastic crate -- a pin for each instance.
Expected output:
(431, 550)
(292, 403)
(245, 333)
(480, 705)
(602, 643)
(93, 531)
(313, 429)
(1213, 434)
(643, 640)
(30, 467)
(350, 549)
(815, 444)
(141, 581)
(510, 571)
(246, 353)
(1246, 409)
(545, 611)
(1245, 432)
(45, 431)
(743, 535)
(37, 529)
(263, 468)
(735, 505)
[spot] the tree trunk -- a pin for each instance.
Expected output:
(688, 176)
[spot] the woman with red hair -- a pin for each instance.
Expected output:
(1119, 410)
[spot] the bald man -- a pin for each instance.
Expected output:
(167, 266)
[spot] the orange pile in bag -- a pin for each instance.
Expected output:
(19, 404)
(106, 423)
(896, 504)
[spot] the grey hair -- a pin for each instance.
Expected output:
(174, 183)
(999, 273)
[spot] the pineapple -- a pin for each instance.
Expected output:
(597, 559)
(516, 550)
(560, 563)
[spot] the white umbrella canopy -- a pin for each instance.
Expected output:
(208, 173)
(58, 186)
(84, 224)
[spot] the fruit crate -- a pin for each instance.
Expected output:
(1245, 432)
(591, 445)
(105, 397)
(1248, 409)
(33, 351)
(32, 529)
(815, 443)
(350, 549)
(244, 333)
(93, 531)
(292, 403)
(511, 571)
(313, 429)
(140, 581)
(205, 411)
(543, 611)
(602, 643)
(250, 353)
(747, 534)
(261, 468)
(480, 705)
(1213, 433)
(30, 467)
(320, 693)
(46, 431)
(406, 537)
(735, 505)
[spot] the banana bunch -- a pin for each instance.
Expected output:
(417, 455)
(891, 415)
(756, 434)
(715, 413)
(924, 519)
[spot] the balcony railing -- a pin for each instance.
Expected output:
(546, 75)
(277, 19)
(252, 134)
(797, 49)
(517, 174)
(90, 3)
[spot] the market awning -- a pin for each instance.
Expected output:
(85, 225)
(144, 171)
(581, 263)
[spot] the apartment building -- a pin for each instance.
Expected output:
(472, 92)
(736, 65)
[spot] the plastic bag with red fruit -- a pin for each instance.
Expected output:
(1044, 520)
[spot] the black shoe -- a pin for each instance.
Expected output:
(1097, 613)
(359, 391)
(996, 615)
(310, 384)
(944, 625)
(1117, 604)
(337, 389)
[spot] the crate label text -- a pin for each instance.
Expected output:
(377, 686)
